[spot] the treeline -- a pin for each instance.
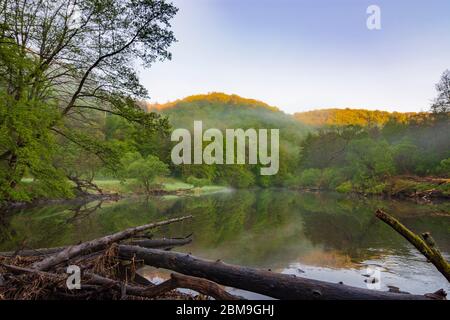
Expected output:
(378, 159)
(71, 112)
(344, 117)
(221, 111)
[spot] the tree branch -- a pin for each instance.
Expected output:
(427, 249)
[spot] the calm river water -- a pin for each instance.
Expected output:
(324, 236)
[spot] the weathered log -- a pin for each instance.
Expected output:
(98, 244)
(202, 286)
(276, 285)
(19, 270)
(161, 243)
(176, 281)
(146, 243)
(425, 244)
(32, 252)
(117, 285)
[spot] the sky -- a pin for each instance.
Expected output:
(301, 55)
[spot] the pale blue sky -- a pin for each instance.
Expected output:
(304, 54)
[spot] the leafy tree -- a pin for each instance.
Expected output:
(441, 104)
(145, 170)
(405, 154)
(62, 65)
(371, 161)
(444, 167)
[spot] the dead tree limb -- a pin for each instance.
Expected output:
(176, 281)
(276, 285)
(202, 286)
(161, 243)
(19, 270)
(117, 285)
(424, 244)
(32, 252)
(98, 244)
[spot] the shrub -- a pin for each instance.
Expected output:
(198, 182)
(345, 187)
(310, 178)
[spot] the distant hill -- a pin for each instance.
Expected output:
(222, 111)
(350, 116)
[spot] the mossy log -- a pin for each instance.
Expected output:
(424, 244)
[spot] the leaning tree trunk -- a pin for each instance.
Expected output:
(425, 245)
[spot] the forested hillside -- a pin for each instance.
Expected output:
(378, 152)
(73, 112)
(222, 111)
(342, 117)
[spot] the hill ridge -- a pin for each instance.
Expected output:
(214, 97)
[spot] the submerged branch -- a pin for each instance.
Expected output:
(424, 244)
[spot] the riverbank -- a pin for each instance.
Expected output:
(423, 189)
(114, 190)
(418, 189)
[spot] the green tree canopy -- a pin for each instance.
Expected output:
(63, 66)
(145, 170)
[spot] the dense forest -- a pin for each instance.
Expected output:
(378, 152)
(345, 117)
(73, 113)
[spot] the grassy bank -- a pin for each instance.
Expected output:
(131, 186)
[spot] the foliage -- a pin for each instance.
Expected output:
(222, 111)
(145, 170)
(198, 182)
(344, 117)
(363, 159)
(444, 167)
(64, 66)
(441, 104)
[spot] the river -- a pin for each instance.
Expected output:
(325, 236)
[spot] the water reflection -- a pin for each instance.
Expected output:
(324, 236)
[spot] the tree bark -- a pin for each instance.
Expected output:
(176, 281)
(161, 243)
(97, 244)
(32, 252)
(429, 249)
(164, 243)
(276, 285)
(202, 286)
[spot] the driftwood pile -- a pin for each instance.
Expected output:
(108, 271)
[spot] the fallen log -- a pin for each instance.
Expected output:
(32, 252)
(202, 286)
(19, 270)
(117, 285)
(146, 243)
(161, 243)
(97, 244)
(425, 245)
(276, 285)
(176, 281)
